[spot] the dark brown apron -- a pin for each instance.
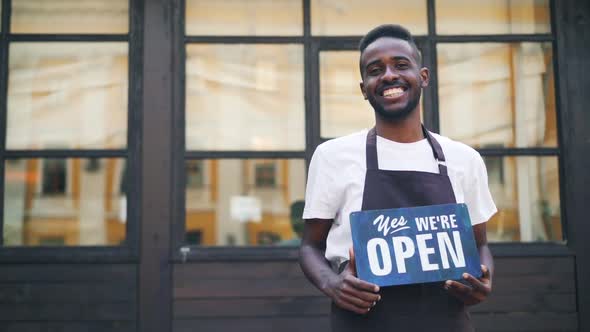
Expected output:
(420, 307)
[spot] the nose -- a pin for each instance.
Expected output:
(390, 74)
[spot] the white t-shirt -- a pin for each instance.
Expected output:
(336, 180)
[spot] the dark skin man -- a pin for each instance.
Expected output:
(393, 79)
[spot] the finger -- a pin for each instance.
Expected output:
(351, 263)
(356, 301)
(486, 272)
(364, 295)
(351, 307)
(361, 284)
(477, 284)
(458, 288)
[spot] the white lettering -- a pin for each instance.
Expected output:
(424, 251)
(444, 220)
(399, 242)
(421, 223)
(453, 221)
(432, 224)
(376, 268)
(444, 244)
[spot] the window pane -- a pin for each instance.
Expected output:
(474, 17)
(244, 18)
(244, 97)
(231, 202)
(355, 18)
(67, 95)
(64, 202)
(343, 109)
(526, 192)
(70, 16)
(497, 94)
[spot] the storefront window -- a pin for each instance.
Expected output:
(245, 202)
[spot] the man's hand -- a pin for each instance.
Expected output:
(349, 292)
(477, 291)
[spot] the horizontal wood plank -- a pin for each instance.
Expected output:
(121, 311)
(249, 307)
(115, 326)
(525, 322)
(72, 292)
(67, 272)
(290, 324)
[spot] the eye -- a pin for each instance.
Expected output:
(402, 65)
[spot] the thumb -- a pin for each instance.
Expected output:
(351, 263)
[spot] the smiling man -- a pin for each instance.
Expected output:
(396, 164)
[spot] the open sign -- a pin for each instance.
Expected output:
(414, 245)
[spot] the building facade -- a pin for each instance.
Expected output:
(153, 154)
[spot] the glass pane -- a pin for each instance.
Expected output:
(244, 18)
(67, 95)
(355, 18)
(244, 97)
(526, 192)
(343, 109)
(497, 94)
(231, 202)
(474, 17)
(64, 202)
(70, 16)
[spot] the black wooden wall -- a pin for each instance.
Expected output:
(68, 297)
(530, 294)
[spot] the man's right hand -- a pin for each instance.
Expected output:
(351, 293)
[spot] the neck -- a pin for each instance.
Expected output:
(406, 130)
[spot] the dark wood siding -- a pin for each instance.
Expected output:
(68, 297)
(530, 294)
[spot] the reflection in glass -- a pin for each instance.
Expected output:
(64, 202)
(245, 202)
(244, 18)
(497, 94)
(70, 16)
(67, 95)
(244, 97)
(526, 192)
(474, 17)
(343, 109)
(354, 18)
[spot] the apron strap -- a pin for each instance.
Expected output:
(437, 151)
(371, 150)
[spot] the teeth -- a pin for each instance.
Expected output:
(393, 92)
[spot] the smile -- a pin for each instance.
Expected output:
(394, 92)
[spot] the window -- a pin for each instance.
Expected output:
(278, 85)
(66, 128)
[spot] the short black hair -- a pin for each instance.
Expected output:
(390, 31)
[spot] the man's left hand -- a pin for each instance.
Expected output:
(477, 291)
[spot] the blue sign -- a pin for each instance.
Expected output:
(414, 245)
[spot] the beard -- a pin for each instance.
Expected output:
(399, 114)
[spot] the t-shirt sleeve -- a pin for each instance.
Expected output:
(477, 192)
(322, 195)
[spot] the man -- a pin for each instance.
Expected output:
(396, 164)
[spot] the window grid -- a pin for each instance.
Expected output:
(130, 153)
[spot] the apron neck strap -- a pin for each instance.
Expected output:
(371, 150)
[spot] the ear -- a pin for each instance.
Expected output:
(425, 76)
(362, 86)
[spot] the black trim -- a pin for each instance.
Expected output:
(492, 38)
(67, 38)
(5, 26)
(14, 154)
(270, 253)
(243, 154)
(519, 151)
(66, 254)
(134, 125)
(243, 40)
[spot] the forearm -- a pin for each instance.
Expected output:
(315, 267)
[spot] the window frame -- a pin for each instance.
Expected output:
(128, 251)
(312, 46)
